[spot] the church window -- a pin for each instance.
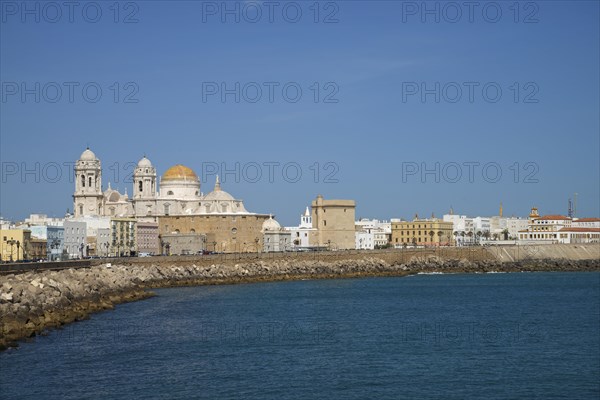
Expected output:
(83, 180)
(140, 186)
(81, 209)
(166, 209)
(324, 223)
(90, 181)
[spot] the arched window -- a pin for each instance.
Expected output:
(192, 230)
(140, 186)
(82, 180)
(81, 209)
(90, 181)
(170, 193)
(166, 209)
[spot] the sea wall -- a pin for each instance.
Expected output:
(34, 301)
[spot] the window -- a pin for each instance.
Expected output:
(90, 181)
(170, 193)
(140, 186)
(324, 223)
(166, 209)
(83, 180)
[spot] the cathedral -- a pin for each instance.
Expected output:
(177, 193)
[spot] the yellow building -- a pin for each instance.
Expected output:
(15, 244)
(422, 232)
(334, 223)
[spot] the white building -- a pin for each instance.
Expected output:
(103, 241)
(365, 240)
(481, 225)
(300, 235)
(275, 238)
(514, 225)
(372, 233)
(75, 239)
(586, 223)
(6, 224)
(543, 230)
(43, 219)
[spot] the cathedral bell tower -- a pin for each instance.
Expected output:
(87, 199)
(144, 188)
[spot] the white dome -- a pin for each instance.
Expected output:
(144, 162)
(88, 155)
(219, 195)
(271, 225)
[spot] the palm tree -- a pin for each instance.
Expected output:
(440, 233)
(505, 233)
(431, 235)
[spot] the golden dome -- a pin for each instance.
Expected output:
(178, 173)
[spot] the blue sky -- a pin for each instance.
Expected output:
(373, 136)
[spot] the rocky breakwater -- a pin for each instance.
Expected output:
(32, 302)
(434, 264)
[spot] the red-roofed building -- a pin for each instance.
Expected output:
(579, 235)
(544, 229)
(586, 223)
(549, 229)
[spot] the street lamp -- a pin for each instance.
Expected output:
(11, 242)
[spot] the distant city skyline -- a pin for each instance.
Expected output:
(384, 98)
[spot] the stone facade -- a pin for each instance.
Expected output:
(334, 223)
(224, 233)
(182, 243)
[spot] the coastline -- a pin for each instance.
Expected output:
(33, 302)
